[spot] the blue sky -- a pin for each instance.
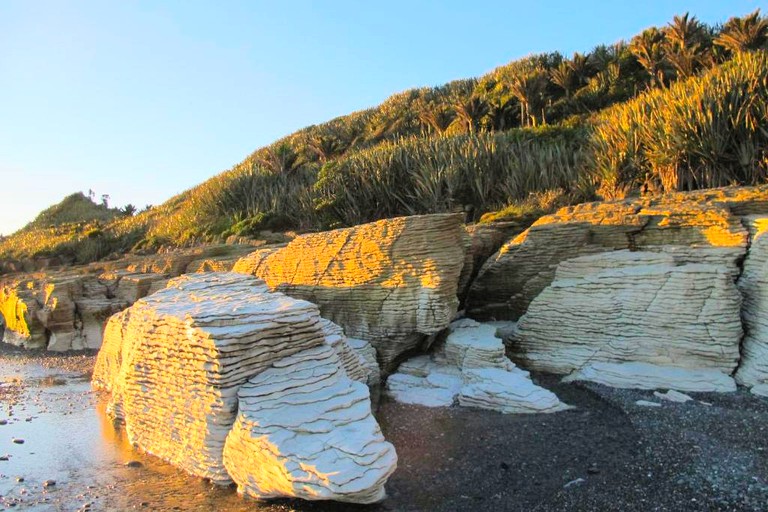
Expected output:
(141, 100)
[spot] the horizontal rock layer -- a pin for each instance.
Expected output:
(651, 376)
(697, 227)
(621, 307)
(392, 282)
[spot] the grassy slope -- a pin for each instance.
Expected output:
(449, 148)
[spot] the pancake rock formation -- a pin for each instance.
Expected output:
(67, 309)
(229, 381)
(470, 369)
(753, 284)
(392, 283)
(694, 227)
(632, 307)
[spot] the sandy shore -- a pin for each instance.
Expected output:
(606, 454)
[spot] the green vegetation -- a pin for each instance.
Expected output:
(678, 107)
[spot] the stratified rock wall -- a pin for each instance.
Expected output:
(620, 307)
(698, 227)
(391, 282)
(753, 284)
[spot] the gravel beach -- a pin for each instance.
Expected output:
(59, 451)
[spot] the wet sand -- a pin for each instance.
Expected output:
(606, 454)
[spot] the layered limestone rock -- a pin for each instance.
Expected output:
(470, 369)
(177, 363)
(391, 283)
(60, 312)
(753, 284)
(67, 309)
(304, 429)
(637, 307)
(697, 227)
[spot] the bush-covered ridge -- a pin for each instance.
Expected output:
(677, 107)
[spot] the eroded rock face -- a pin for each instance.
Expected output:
(391, 282)
(622, 307)
(59, 312)
(304, 429)
(652, 376)
(753, 284)
(699, 227)
(470, 369)
(66, 309)
(177, 363)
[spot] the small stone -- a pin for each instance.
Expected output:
(574, 482)
(593, 470)
(673, 396)
(3, 422)
(646, 403)
(18, 440)
(49, 483)
(19, 479)
(4, 457)
(504, 466)
(133, 464)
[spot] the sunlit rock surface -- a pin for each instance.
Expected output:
(58, 312)
(176, 360)
(470, 369)
(637, 307)
(696, 227)
(753, 284)
(305, 429)
(392, 282)
(652, 376)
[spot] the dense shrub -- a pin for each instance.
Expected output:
(707, 131)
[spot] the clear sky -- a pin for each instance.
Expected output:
(141, 100)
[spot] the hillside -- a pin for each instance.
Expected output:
(678, 107)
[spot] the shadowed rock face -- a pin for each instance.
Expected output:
(700, 227)
(217, 351)
(753, 284)
(392, 282)
(632, 307)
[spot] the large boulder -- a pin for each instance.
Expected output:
(216, 355)
(393, 282)
(623, 306)
(697, 227)
(753, 284)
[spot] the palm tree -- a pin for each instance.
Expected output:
(470, 111)
(686, 42)
(649, 50)
(530, 88)
(744, 34)
(562, 76)
(326, 145)
(280, 158)
(436, 117)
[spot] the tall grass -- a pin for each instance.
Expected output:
(469, 172)
(707, 131)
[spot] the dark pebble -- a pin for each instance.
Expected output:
(18, 441)
(49, 483)
(133, 464)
